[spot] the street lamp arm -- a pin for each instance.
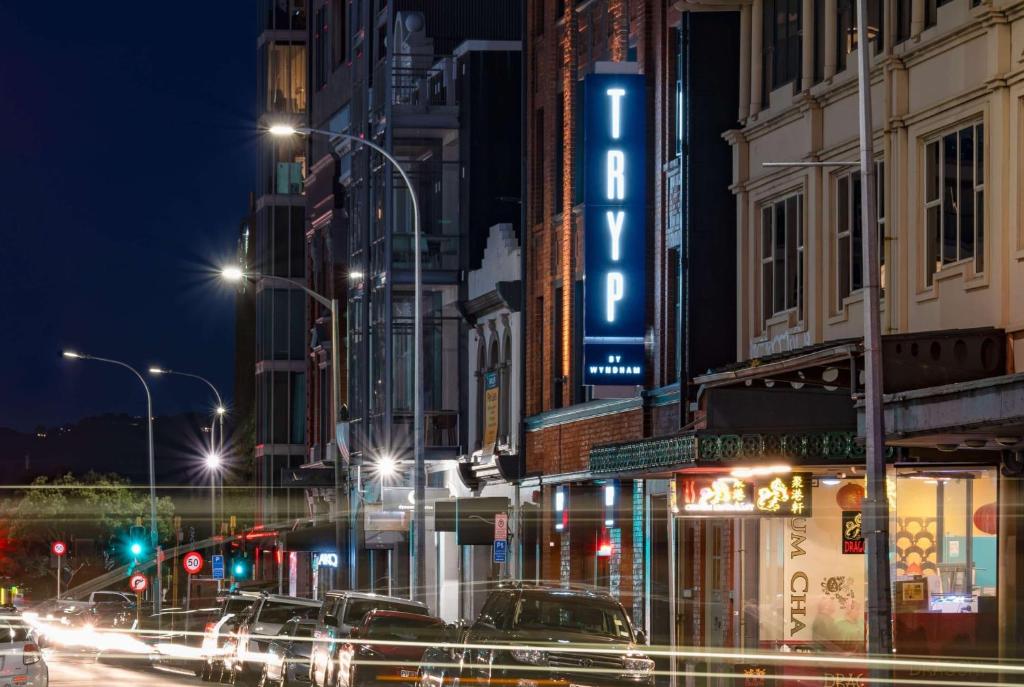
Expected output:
(126, 366)
(290, 282)
(220, 403)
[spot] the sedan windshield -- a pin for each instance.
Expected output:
(585, 616)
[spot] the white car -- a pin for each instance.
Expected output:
(22, 661)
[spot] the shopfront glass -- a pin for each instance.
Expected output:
(797, 584)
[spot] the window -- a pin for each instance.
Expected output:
(504, 384)
(339, 32)
(286, 86)
(321, 48)
(568, 614)
(782, 257)
(849, 238)
(538, 166)
(781, 58)
(904, 17)
(846, 28)
(481, 368)
(955, 199)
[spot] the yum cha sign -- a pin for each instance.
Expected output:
(615, 190)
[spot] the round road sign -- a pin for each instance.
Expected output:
(138, 583)
(192, 562)
(59, 548)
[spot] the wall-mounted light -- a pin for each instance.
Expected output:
(610, 490)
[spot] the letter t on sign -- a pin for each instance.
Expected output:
(616, 94)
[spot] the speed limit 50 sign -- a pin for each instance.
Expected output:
(192, 562)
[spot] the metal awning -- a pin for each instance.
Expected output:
(980, 414)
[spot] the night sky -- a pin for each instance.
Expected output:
(128, 151)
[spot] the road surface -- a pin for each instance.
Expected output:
(69, 669)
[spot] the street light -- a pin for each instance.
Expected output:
(153, 532)
(213, 461)
(419, 545)
(216, 448)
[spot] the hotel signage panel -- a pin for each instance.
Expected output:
(615, 190)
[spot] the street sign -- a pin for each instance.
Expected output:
(500, 526)
(192, 562)
(160, 557)
(218, 567)
(138, 583)
(58, 548)
(500, 550)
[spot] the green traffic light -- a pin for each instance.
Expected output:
(239, 570)
(136, 548)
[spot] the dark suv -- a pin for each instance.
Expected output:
(533, 635)
(343, 611)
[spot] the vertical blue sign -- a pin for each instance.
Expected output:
(500, 550)
(218, 567)
(615, 196)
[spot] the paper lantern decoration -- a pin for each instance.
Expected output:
(850, 496)
(985, 518)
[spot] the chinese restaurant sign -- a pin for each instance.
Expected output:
(853, 538)
(774, 495)
(615, 192)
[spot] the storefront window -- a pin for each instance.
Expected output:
(943, 533)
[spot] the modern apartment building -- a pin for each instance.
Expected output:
(277, 248)
(429, 82)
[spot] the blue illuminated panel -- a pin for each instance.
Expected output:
(614, 193)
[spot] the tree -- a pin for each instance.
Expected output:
(94, 506)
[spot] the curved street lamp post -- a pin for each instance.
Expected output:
(153, 532)
(417, 582)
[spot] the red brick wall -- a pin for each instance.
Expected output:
(566, 447)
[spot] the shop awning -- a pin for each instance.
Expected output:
(980, 414)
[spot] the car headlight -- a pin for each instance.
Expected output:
(534, 657)
(638, 666)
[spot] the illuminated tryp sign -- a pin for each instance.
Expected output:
(614, 317)
(783, 495)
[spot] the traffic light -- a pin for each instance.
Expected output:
(241, 566)
(138, 542)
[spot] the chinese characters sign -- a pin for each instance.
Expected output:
(775, 495)
(615, 195)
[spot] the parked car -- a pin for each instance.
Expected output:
(288, 656)
(524, 634)
(387, 648)
(218, 630)
(256, 630)
(181, 645)
(22, 661)
(341, 612)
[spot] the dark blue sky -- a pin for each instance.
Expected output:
(128, 148)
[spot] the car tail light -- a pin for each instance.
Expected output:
(210, 627)
(31, 654)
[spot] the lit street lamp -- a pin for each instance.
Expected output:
(216, 447)
(417, 582)
(153, 533)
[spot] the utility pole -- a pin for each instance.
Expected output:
(876, 503)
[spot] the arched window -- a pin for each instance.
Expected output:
(505, 388)
(481, 367)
